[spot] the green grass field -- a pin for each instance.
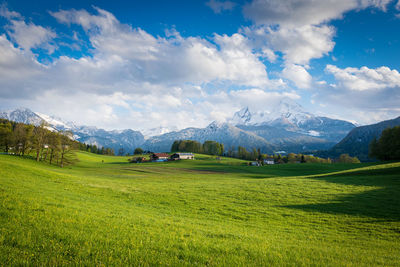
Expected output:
(201, 212)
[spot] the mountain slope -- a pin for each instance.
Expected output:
(126, 139)
(287, 140)
(22, 115)
(356, 143)
(225, 133)
(289, 124)
(286, 127)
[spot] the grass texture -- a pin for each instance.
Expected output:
(107, 212)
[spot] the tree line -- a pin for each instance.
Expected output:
(387, 147)
(96, 150)
(44, 145)
(215, 148)
(208, 147)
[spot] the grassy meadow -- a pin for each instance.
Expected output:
(106, 211)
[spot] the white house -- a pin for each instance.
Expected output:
(177, 156)
(269, 161)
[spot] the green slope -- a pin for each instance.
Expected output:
(104, 211)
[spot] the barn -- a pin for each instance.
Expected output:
(159, 157)
(178, 156)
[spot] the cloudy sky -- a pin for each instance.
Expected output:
(186, 63)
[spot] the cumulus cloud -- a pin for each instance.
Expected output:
(300, 45)
(298, 75)
(172, 59)
(364, 78)
(298, 28)
(133, 78)
(364, 94)
(295, 13)
(19, 71)
(28, 36)
(220, 6)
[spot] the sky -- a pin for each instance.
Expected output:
(177, 64)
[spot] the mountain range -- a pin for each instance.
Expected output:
(356, 142)
(286, 126)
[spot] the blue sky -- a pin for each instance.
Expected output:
(176, 64)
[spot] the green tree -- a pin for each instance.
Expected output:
(212, 148)
(54, 145)
(6, 135)
(345, 158)
(39, 135)
(242, 153)
(138, 151)
(291, 158)
(22, 138)
(67, 149)
(175, 146)
(121, 151)
(388, 145)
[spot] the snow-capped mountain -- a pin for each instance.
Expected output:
(225, 133)
(287, 111)
(291, 117)
(148, 133)
(23, 115)
(126, 139)
(286, 126)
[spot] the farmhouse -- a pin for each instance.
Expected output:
(269, 161)
(159, 157)
(178, 156)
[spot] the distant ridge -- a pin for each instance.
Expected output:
(127, 139)
(287, 127)
(356, 143)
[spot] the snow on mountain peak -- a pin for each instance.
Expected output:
(287, 111)
(56, 122)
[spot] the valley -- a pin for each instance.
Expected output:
(105, 211)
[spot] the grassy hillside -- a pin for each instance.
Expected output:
(105, 211)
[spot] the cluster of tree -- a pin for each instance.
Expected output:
(387, 147)
(137, 160)
(301, 158)
(96, 150)
(256, 155)
(215, 148)
(346, 158)
(23, 139)
(138, 151)
(242, 153)
(208, 147)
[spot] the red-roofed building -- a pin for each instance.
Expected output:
(159, 156)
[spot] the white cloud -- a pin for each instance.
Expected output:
(298, 28)
(300, 45)
(269, 54)
(8, 14)
(175, 59)
(295, 13)
(364, 78)
(28, 36)
(134, 79)
(220, 6)
(298, 75)
(19, 71)
(361, 94)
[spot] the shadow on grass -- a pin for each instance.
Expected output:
(382, 203)
(281, 170)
